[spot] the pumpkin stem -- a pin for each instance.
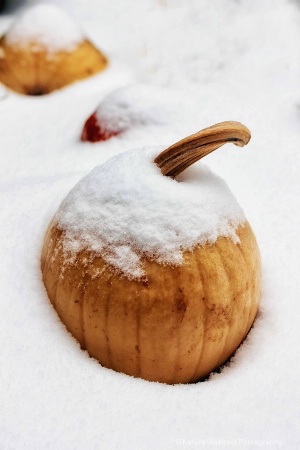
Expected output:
(178, 157)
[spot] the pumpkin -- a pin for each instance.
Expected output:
(130, 108)
(45, 50)
(179, 313)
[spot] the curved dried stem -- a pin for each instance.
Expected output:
(178, 157)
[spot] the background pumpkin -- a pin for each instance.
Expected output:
(32, 65)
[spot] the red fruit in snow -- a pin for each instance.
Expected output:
(94, 132)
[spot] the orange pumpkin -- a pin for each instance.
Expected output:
(34, 65)
(177, 322)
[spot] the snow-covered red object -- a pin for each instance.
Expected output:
(129, 108)
(94, 132)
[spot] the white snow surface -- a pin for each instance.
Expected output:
(126, 209)
(47, 27)
(233, 60)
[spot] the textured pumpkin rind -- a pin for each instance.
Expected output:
(177, 325)
(32, 71)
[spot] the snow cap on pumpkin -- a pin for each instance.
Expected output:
(126, 209)
(137, 105)
(46, 27)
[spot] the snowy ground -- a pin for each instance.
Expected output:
(231, 60)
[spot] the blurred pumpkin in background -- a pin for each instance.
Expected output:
(45, 50)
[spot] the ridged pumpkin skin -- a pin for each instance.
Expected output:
(177, 325)
(32, 71)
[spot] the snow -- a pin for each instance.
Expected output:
(47, 27)
(139, 105)
(126, 209)
(233, 61)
